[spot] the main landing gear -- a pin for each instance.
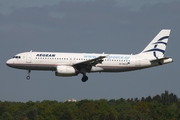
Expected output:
(28, 77)
(84, 78)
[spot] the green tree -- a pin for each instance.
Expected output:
(7, 116)
(32, 114)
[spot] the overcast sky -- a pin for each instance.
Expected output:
(91, 26)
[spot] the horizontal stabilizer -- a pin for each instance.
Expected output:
(164, 60)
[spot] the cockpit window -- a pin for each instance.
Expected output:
(18, 57)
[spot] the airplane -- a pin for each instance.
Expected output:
(72, 64)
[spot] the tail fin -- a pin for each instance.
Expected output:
(157, 46)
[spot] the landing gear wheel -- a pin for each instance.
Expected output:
(84, 78)
(28, 77)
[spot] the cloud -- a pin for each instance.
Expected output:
(89, 14)
(80, 22)
(136, 5)
(7, 7)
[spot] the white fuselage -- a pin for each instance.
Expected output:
(50, 61)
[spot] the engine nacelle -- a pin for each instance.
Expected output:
(65, 71)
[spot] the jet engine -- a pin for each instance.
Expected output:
(65, 71)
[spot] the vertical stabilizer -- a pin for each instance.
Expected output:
(156, 48)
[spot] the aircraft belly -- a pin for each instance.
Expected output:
(118, 68)
(33, 66)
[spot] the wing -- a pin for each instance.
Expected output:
(87, 65)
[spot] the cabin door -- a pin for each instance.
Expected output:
(137, 61)
(28, 57)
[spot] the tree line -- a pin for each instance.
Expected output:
(160, 107)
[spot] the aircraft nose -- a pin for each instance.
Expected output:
(8, 62)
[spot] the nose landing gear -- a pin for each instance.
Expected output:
(28, 77)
